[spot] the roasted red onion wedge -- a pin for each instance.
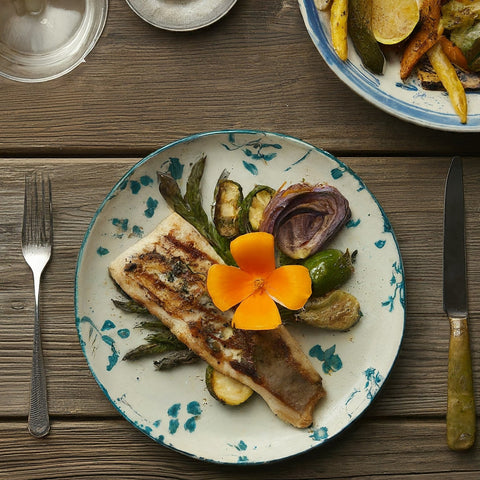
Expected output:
(304, 217)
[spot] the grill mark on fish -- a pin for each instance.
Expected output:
(189, 250)
(166, 271)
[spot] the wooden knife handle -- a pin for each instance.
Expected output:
(460, 401)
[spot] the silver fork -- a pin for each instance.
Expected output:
(37, 236)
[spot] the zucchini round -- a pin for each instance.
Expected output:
(228, 199)
(251, 210)
(226, 389)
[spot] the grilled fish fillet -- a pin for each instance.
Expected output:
(166, 272)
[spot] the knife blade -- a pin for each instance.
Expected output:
(460, 401)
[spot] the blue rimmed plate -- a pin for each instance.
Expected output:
(405, 100)
(174, 407)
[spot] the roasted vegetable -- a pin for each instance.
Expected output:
(454, 54)
(337, 310)
(303, 218)
(160, 342)
(458, 14)
(190, 207)
(448, 76)
(225, 389)
(253, 206)
(338, 26)
(130, 306)
(175, 359)
(430, 80)
(359, 28)
(329, 269)
(394, 20)
(462, 20)
(468, 40)
(424, 38)
(228, 199)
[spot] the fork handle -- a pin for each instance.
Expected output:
(38, 419)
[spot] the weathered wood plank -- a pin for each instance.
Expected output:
(256, 68)
(409, 189)
(115, 449)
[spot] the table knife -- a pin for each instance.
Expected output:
(460, 401)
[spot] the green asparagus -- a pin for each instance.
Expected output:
(190, 207)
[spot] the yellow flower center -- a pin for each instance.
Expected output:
(259, 284)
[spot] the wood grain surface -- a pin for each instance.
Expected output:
(257, 68)
(141, 88)
(406, 421)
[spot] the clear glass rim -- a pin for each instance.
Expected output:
(43, 67)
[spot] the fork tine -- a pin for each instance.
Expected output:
(43, 211)
(28, 210)
(37, 217)
(48, 199)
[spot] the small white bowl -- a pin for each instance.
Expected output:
(181, 15)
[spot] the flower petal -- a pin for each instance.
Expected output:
(254, 253)
(257, 312)
(290, 286)
(228, 285)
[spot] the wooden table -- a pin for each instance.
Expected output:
(141, 88)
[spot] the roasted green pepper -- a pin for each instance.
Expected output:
(329, 269)
(468, 40)
(337, 310)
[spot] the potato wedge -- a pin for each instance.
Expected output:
(449, 78)
(424, 38)
(338, 25)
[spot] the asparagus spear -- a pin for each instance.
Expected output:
(159, 342)
(190, 207)
(173, 359)
(147, 349)
(130, 306)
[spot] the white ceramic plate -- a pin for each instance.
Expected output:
(174, 407)
(181, 15)
(405, 100)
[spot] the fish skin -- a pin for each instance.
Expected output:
(166, 272)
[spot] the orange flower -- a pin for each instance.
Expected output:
(257, 284)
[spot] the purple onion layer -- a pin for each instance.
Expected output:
(303, 218)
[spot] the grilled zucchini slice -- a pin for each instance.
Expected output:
(226, 389)
(252, 208)
(228, 199)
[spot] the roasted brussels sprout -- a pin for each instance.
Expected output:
(329, 269)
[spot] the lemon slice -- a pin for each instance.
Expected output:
(394, 20)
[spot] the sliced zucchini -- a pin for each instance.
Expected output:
(228, 199)
(251, 211)
(226, 389)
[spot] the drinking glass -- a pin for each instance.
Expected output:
(43, 39)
